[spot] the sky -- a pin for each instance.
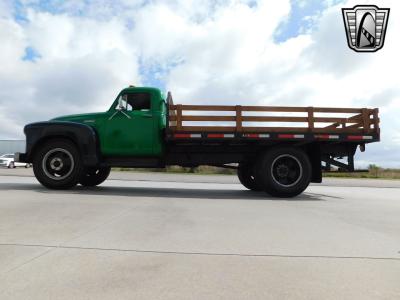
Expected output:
(65, 57)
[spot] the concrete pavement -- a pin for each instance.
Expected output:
(163, 236)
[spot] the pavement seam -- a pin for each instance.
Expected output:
(29, 260)
(55, 247)
(196, 253)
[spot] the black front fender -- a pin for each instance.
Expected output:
(83, 136)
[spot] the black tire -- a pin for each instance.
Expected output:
(284, 172)
(94, 176)
(11, 165)
(57, 164)
(246, 175)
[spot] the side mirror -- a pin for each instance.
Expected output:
(120, 105)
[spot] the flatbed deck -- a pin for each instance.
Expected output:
(271, 123)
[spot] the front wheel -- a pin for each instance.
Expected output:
(57, 164)
(94, 176)
(284, 172)
(11, 165)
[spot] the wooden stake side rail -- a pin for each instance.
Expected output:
(362, 120)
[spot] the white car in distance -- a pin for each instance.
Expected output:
(7, 160)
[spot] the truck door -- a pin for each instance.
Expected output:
(130, 126)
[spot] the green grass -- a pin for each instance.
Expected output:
(373, 172)
(202, 170)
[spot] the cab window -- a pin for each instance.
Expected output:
(135, 102)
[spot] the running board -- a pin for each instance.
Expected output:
(132, 162)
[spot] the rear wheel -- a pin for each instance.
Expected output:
(284, 172)
(246, 175)
(94, 176)
(11, 165)
(57, 164)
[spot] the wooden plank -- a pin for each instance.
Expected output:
(274, 129)
(338, 130)
(171, 113)
(329, 120)
(336, 110)
(244, 129)
(260, 119)
(299, 129)
(334, 125)
(243, 118)
(244, 108)
(264, 129)
(340, 121)
(266, 108)
(179, 117)
(170, 101)
(205, 107)
(238, 118)
(357, 117)
(206, 118)
(274, 108)
(273, 119)
(357, 125)
(310, 116)
(205, 129)
(366, 119)
(376, 119)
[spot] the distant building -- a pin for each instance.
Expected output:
(11, 146)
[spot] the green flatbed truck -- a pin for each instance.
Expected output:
(145, 129)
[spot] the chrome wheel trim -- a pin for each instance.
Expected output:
(57, 163)
(294, 166)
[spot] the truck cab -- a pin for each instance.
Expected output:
(133, 126)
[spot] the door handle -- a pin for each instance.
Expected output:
(147, 115)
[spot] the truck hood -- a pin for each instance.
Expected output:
(90, 117)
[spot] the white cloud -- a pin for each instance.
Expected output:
(209, 51)
(82, 64)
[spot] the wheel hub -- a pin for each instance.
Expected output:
(56, 164)
(282, 170)
(286, 170)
